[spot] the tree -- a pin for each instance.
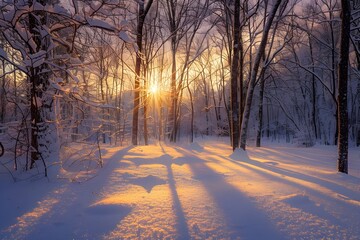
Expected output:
(234, 104)
(342, 88)
(41, 35)
(142, 12)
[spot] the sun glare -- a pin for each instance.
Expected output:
(153, 89)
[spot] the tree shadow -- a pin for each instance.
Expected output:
(243, 219)
(148, 182)
(317, 185)
(181, 223)
(332, 194)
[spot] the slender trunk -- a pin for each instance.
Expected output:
(241, 81)
(333, 76)
(313, 89)
(135, 119)
(161, 114)
(206, 98)
(192, 109)
(145, 102)
(171, 7)
(173, 109)
(3, 94)
(234, 104)
(15, 92)
(216, 105)
(120, 104)
(260, 113)
(261, 93)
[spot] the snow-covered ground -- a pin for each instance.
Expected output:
(191, 191)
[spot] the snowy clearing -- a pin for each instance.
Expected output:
(193, 191)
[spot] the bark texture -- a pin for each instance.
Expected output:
(342, 81)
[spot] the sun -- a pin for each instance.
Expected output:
(153, 89)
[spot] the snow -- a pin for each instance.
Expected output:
(93, 22)
(189, 191)
(125, 37)
(36, 59)
(3, 54)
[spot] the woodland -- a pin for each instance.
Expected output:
(119, 72)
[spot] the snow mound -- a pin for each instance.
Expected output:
(239, 155)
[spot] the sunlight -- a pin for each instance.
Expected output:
(28, 220)
(153, 89)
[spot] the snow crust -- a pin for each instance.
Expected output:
(189, 191)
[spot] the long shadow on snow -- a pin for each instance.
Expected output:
(181, 224)
(285, 175)
(243, 219)
(167, 161)
(345, 192)
(76, 218)
(267, 166)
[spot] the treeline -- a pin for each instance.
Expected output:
(131, 72)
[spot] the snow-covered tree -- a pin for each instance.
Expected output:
(42, 33)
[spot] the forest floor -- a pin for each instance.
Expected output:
(191, 191)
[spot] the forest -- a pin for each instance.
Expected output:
(118, 73)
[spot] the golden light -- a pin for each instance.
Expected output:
(153, 89)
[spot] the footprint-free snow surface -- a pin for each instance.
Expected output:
(191, 191)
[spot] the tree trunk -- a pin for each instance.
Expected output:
(260, 114)
(3, 94)
(313, 90)
(173, 95)
(234, 103)
(192, 109)
(139, 34)
(38, 79)
(145, 102)
(357, 102)
(342, 85)
(135, 117)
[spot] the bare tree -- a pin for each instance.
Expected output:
(142, 12)
(234, 104)
(342, 81)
